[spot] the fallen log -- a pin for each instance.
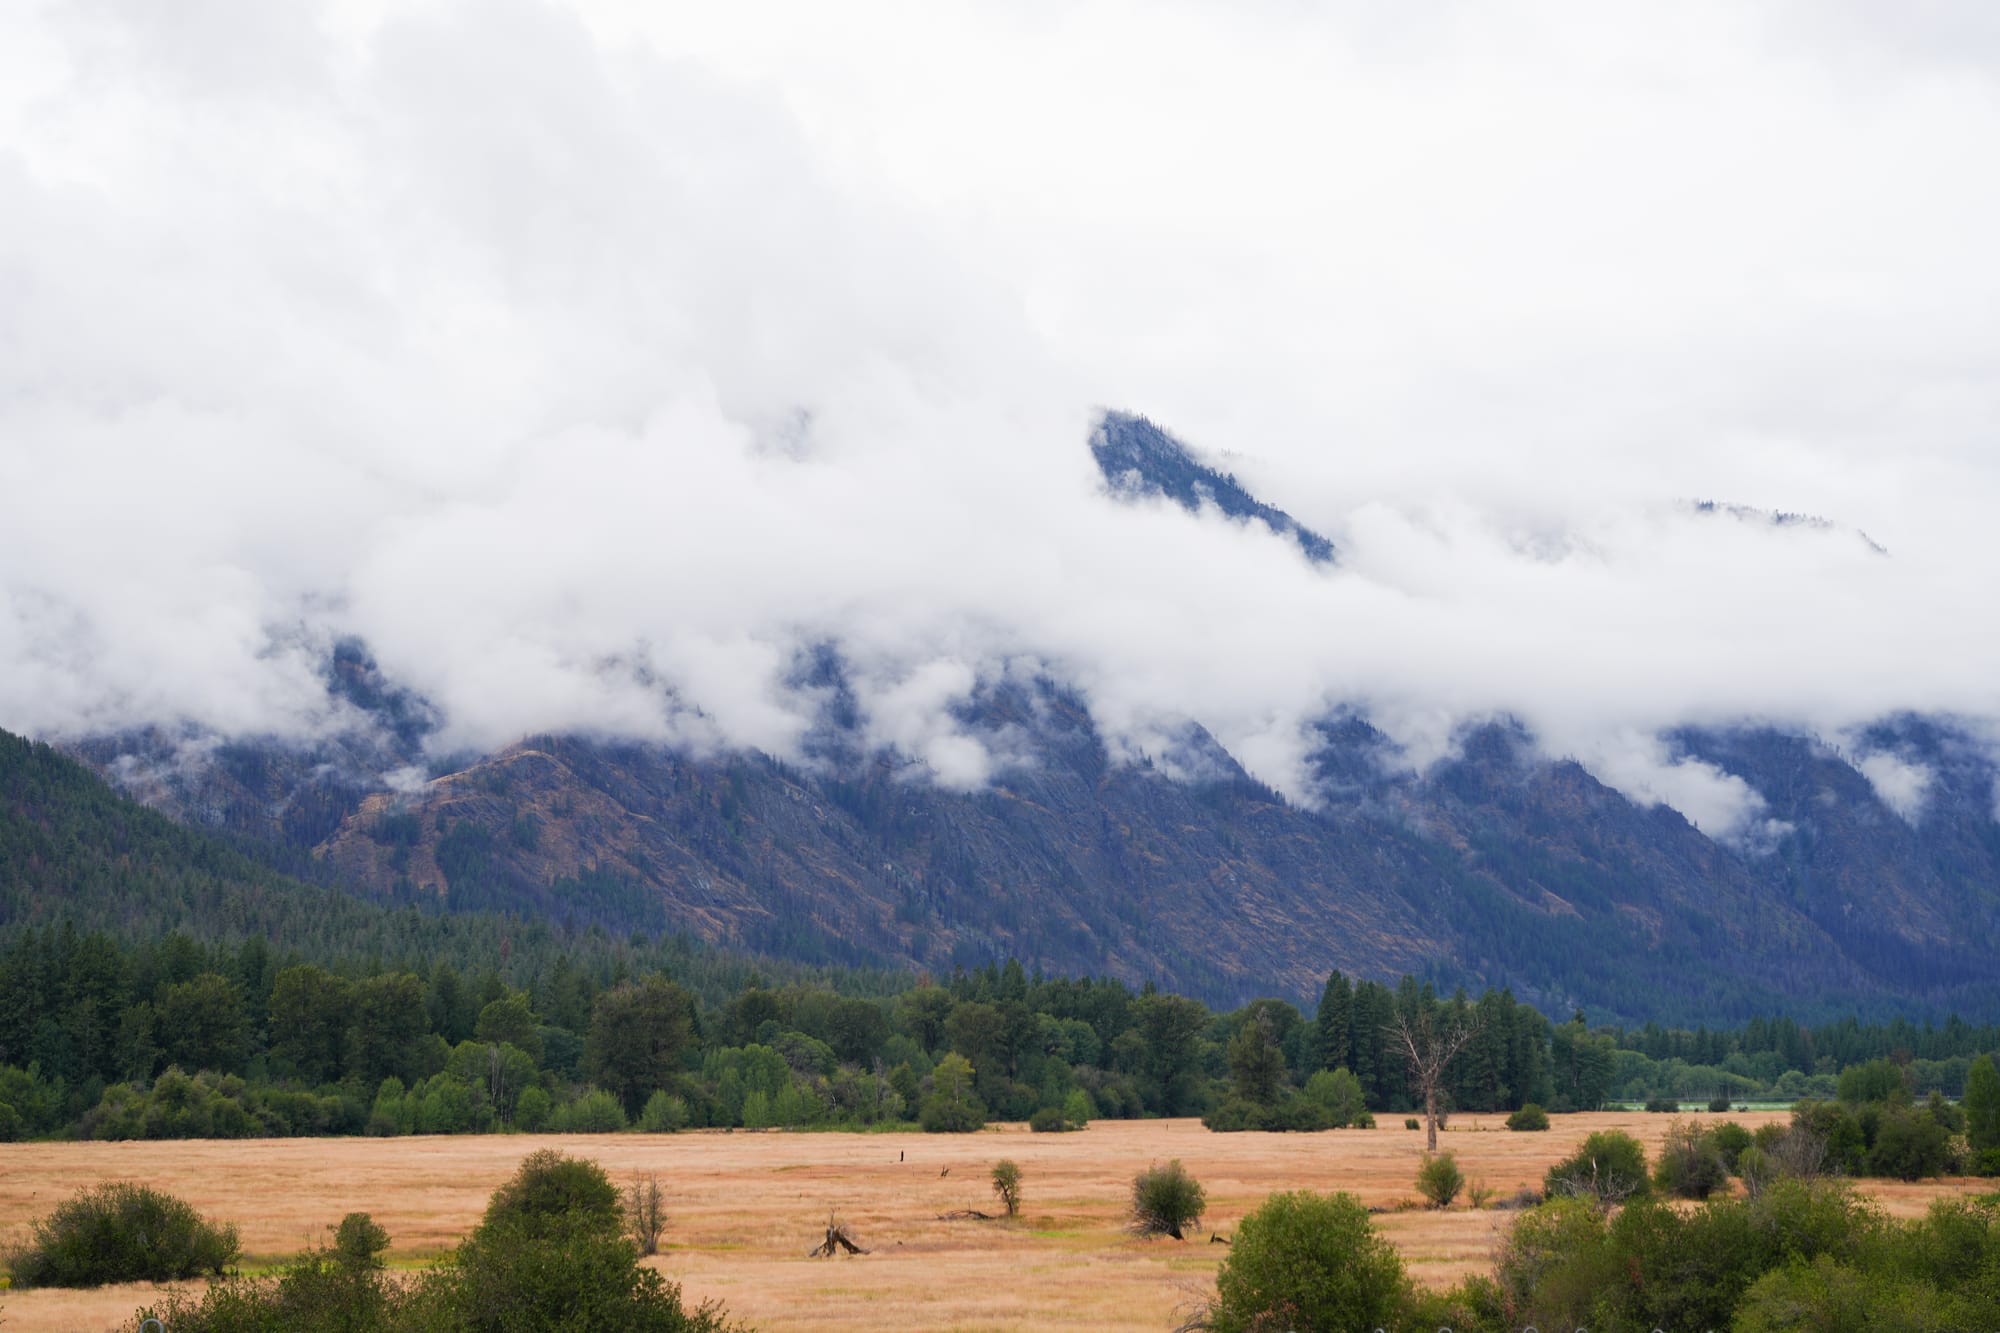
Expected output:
(967, 1215)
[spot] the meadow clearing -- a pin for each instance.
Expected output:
(744, 1207)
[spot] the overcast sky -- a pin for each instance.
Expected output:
(586, 359)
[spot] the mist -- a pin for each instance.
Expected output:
(591, 362)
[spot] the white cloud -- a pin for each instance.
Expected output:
(1901, 784)
(586, 360)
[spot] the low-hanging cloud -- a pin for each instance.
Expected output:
(591, 362)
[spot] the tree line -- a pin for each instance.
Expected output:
(174, 1037)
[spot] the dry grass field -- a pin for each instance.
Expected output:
(745, 1207)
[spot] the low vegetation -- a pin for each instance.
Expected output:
(1166, 1201)
(1439, 1180)
(121, 1232)
(1808, 1254)
(1308, 1261)
(551, 1252)
(1007, 1185)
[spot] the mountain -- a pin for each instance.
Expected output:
(1138, 459)
(1875, 885)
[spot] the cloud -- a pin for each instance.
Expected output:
(588, 360)
(1900, 784)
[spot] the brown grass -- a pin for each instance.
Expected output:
(743, 1208)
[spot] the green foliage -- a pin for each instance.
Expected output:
(1691, 1164)
(638, 1034)
(1610, 1167)
(1050, 1120)
(593, 1112)
(1309, 1261)
(551, 1253)
(664, 1114)
(952, 1107)
(1294, 1112)
(1439, 1179)
(1982, 1106)
(1007, 1185)
(1339, 1092)
(1166, 1200)
(1529, 1118)
(1730, 1139)
(1663, 1105)
(1256, 1064)
(121, 1232)
(1825, 1297)
(1875, 1081)
(548, 1255)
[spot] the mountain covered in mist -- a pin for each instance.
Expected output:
(1869, 881)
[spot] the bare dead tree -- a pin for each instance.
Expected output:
(646, 1213)
(1429, 1049)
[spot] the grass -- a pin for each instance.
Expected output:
(742, 1209)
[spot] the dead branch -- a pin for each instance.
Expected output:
(837, 1238)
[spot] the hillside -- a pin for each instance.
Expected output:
(1498, 867)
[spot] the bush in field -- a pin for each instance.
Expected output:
(121, 1232)
(1610, 1167)
(1049, 1120)
(1166, 1200)
(1439, 1180)
(1007, 1185)
(1663, 1105)
(1308, 1261)
(1691, 1165)
(337, 1289)
(1339, 1091)
(551, 1253)
(664, 1113)
(1528, 1118)
(1730, 1139)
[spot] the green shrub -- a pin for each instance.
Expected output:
(1439, 1180)
(945, 1115)
(1730, 1139)
(1691, 1165)
(1077, 1110)
(1718, 1105)
(664, 1113)
(1050, 1120)
(1339, 1092)
(1663, 1105)
(1166, 1200)
(1610, 1167)
(1554, 1263)
(1007, 1185)
(1909, 1145)
(1826, 1297)
(121, 1232)
(1411, 1122)
(595, 1112)
(1309, 1261)
(551, 1253)
(1529, 1118)
(531, 1110)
